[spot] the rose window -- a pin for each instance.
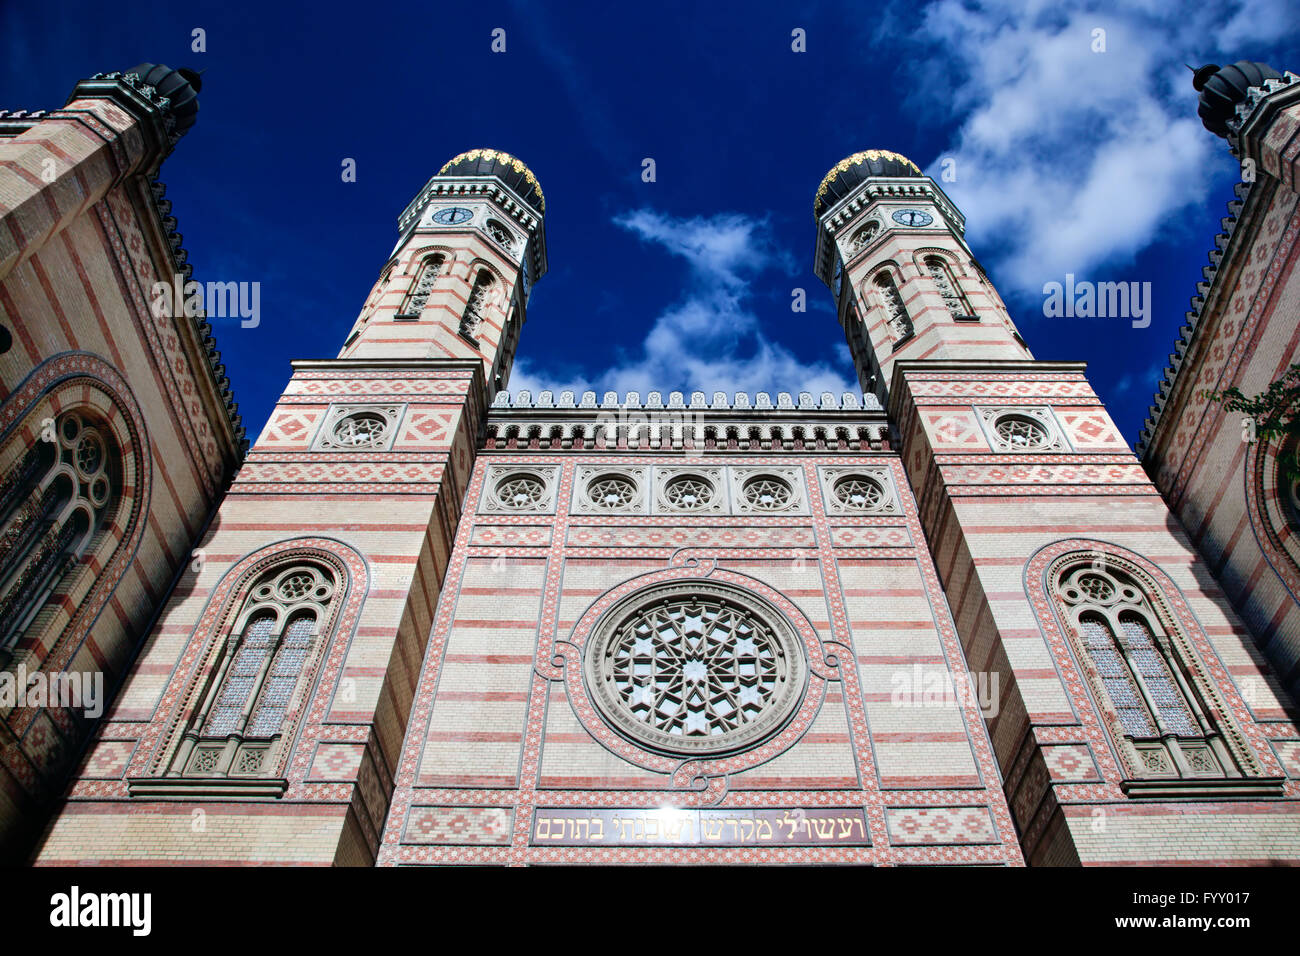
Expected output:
(767, 493)
(296, 586)
(1017, 431)
(695, 667)
(521, 491)
(90, 453)
(364, 428)
(1096, 587)
(859, 493)
(612, 491)
(688, 493)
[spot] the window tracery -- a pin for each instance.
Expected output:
(430, 269)
(946, 285)
(896, 317)
(1140, 672)
(472, 318)
(52, 503)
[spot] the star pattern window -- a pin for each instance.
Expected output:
(612, 491)
(689, 493)
(767, 493)
(521, 492)
(361, 430)
(859, 493)
(1020, 432)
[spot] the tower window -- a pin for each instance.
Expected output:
(360, 430)
(896, 317)
(472, 318)
(500, 234)
(429, 271)
(946, 284)
(862, 237)
(1021, 433)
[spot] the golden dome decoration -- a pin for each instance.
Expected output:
(501, 158)
(849, 162)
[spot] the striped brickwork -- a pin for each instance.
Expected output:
(1224, 489)
(994, 519)
(81, 244)
(503, 732)
(388, 517)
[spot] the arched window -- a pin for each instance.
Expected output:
(261, 677)
(946, 285)
(1140, 669)
(473, 317)
(900, 323)
(53, 501)
(428, 273)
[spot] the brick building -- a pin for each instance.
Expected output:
(950, 620)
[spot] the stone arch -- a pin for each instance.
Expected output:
(1200, 673)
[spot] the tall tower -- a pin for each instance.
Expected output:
(890, 246)
(272, 697)
(1135, 715)
(458, 281)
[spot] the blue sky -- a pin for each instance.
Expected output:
(1067, 160)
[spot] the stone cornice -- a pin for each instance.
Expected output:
(196, 333)
(388, 364)
(1229, 245)
(1254, 115)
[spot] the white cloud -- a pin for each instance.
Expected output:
(1067, 159)
(709, 340)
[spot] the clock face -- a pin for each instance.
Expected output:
(453, 216)
(912, 217)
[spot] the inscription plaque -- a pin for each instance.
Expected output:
(784, 826)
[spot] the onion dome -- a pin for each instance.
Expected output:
(848, 173)
(1222, 88)
(493, 162)
(181, 87)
